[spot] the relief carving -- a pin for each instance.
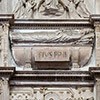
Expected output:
(51, 9)
(70, 37)
(24, 9)
(74, 47)
(22, 94)
(52, 94)
(4, 44)
(1, 91)
(4, 88)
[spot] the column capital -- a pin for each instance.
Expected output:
(95, 19)
(6, 72)
(6, 18)
(95, 71)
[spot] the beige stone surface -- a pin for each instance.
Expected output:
(47, 93)
(97, 30)
(51, 9)
(4, 89)
(97, 6)
(51, 53)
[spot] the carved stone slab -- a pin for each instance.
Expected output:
(51, 53)
(52, 48)
(51, 57)
(46, 93)
(52, 9)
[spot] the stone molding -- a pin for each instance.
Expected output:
(95, 19)
(5, 75)
(73, 22)
(6, 71)
(51, 24)
(95, 71)
(52, 78)
(6, 18)
(46, 77)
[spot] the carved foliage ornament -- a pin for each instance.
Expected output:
(52, 94)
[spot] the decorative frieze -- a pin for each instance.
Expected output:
(46, 93)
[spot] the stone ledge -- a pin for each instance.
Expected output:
(6, 71)
(50, 84)
(95, 71)
(95, 17)
(24, 24)
(6, 17)
(51, 78)
(52, 72)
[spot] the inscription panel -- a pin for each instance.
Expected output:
(51, 53)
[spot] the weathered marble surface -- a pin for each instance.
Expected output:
(51, 46)
(46, 93)
(70, 37)
(53, 9)
(97, 6)
(8, 6)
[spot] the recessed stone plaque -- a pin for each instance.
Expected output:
(51, 54)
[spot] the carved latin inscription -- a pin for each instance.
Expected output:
(51, 53)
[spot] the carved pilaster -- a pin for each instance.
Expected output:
(97, 31)
(5, 74)
(97, 86)
(96, 22)
(4, 45)
(4, 40)
(4, 89)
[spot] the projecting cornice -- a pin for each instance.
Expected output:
(95, 19)
(95, 71)
(7, 71)
(52, 78)
(40, 23)
(6, 18)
